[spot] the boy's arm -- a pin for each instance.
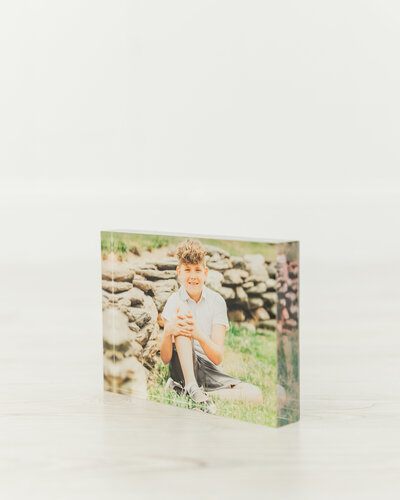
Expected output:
(214, 346)
(166, 344)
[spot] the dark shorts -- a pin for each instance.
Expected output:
(207, 374)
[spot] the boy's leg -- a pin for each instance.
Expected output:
(240, 392)
(185, 352)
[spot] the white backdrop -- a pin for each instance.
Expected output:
(260, 120)
(256, 119)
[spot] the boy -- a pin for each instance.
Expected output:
(195, 321)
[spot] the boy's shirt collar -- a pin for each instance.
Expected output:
(185, 296)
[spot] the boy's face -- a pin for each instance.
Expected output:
(193, 277)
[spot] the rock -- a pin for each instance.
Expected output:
(170, 285)
(257, 289)
(282, 288)
(238, 262)
(171, 250)
(272, 270)
(141, 267)
(214, 280)
(236, 315)
(256, 279)
(152, 274)
(291, 323)
(150, 308)
(293, 269)
(234, 276)
(160, 299)
(241, 295)
(211, 250)
(248, 284)
(269, 324)
(167, 264)
(115, 326)
(134, 349)
(271, 284)
(143, 335)
(142, 284)
(116, 286)
(267, 332)
(162, 290)
(291, 296)
(123, 304)
(281, 260)
(270, 298)
(116, 271)
(156, 333)
(227, 292)
(134, 296)
(260, 314)
(150, 352)
(255, 302)
(109, 297)
(215, 262)
(134, 327)
(255, 265)
(138, 315)
(273, 310)
(118, 338)
(127, 376)
(105, 302)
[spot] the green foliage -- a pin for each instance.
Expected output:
(137, 243)
(120, 247)
(157, 242)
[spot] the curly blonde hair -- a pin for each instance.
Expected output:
(191, 252)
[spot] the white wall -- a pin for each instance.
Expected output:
(264, 119)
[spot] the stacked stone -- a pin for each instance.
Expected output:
(248, 285)
(132, 299)
(287, 293)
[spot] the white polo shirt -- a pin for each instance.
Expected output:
(208, 311)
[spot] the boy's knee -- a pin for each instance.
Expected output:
(181, 339)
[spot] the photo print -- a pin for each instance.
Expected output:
(209, 324)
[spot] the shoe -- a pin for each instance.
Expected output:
(201, 399)
(171, 385)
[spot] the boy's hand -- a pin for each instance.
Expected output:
(177, 325)
(190, 329)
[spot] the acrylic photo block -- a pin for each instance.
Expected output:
(201, 322)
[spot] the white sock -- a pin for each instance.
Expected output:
(190, 385)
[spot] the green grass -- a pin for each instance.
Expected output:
(122, 243)
(249, 357)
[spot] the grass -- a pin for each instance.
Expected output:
(122, 243)
(248, 356)
(291, 410)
